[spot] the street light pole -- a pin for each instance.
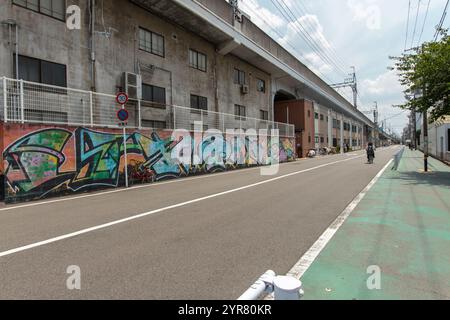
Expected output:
(425, 142)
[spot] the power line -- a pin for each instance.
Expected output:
(441, 22)
(265, 20)
(407, 23)
(291, 18)
(301, 9)
(415, 23)
(424, 22)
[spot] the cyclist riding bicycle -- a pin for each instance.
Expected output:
(370, 152)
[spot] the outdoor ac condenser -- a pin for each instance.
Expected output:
(133, 85)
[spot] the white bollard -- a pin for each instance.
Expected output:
(287, 288)
(263, 284)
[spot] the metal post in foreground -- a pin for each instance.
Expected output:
(21, 101)
(263, 285)
(5, 100)
(287, 288)
(125, 155)
(275, 287)
(425, 142)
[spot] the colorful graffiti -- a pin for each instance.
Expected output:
(51, 161)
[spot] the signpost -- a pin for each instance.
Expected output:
(122, 115)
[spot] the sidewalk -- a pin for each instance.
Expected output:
(402, 226)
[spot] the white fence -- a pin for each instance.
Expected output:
(30, 102)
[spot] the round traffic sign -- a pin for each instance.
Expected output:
(122, 98)
(122, 115)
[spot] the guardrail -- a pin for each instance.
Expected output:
(30, 102)
(273, 287)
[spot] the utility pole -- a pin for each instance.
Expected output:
(425, 140)
(375, 119)
(414, 128)
(352, 83)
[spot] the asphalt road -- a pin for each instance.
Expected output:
(212, 242)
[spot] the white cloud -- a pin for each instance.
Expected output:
(383, 85)
(366, 11)
(260, 14)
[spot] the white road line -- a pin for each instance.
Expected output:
(153, 185)
(142, 215)
(311, 255)
(96, 194)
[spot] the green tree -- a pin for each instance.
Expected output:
(427, 71)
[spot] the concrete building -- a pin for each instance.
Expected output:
(180, 62)
(439, 139)
(188, 53)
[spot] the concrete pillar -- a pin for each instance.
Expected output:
(330, 129)
(342, 134)
(358, 137)
(351, 134)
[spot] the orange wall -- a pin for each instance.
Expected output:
(301, 115)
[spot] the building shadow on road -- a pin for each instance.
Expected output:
(434, 178)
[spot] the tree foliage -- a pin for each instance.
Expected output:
(426, 75)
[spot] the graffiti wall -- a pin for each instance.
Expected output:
(42, 161)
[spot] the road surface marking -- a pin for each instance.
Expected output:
(311, 255)
(142, 215)
(179, 180)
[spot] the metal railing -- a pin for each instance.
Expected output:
(30, 102)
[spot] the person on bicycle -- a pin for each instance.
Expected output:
(370, 151)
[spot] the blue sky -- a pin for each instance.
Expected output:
(360, 33)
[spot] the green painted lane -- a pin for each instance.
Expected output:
(403, 227)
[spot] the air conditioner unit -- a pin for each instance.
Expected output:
(245, 89)
(133, 85)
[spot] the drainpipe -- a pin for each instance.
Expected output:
(92, 58)
(17, 51)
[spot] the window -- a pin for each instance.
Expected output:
(199, 103)
(260, 85)
(328, 119)
(322, 140)
(42, 116)
(321, 117)
(309, 114)
(264, 115)
(35, 70)
(153, 93)
(239, 77)
(335, 142)
(155, 124)
(197, 60)
(151, 42)
(317, 139)
(52, 8)
(309, 139)
(316, 115)
(335, 124)
(239, 111)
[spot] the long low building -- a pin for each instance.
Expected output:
(179, 61)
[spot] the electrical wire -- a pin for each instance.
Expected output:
(415, 23)
(424, 22)
(441, 22)
(407, 24)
